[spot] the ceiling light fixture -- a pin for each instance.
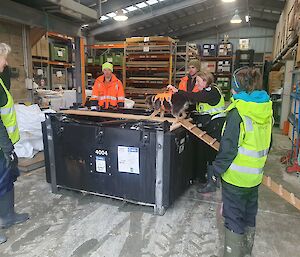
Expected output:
(131, 8)
(103, 18)
(141, 5)
(247, 18)
(151, 2)
(120, 16)
(228, 1)
(111, 15)
(236, 19)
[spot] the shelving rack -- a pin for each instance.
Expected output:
(97, 54)
(185, 53)
(150, 65)
(294, 120)
(44, 65)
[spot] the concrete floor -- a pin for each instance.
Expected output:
(71, 224)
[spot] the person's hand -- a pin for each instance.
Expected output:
(172, 88)
(11, 160)
(94, 108)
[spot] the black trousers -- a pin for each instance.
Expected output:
(204, 154)
(239, 207)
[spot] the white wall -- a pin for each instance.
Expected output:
(261, 39)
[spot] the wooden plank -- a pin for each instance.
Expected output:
(144, 91)
(200, 134)
(146, 78)
(117, 115)
(26, 164)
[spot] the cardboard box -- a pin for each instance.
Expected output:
(275, 80)
(209, 66)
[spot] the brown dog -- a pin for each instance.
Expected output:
(175, 104)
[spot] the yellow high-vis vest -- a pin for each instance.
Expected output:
(9, 117)
(216, 111)
(246, 169)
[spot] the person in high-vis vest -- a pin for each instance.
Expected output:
(188, 83)
(210, 116)
(9, 135)
(108, 91)
(240, 162)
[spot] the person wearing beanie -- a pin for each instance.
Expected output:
(188, 82)
(240, 162)
(210, 117)
(108, 91)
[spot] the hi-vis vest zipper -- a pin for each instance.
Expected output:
(9, 117)
(246, 169)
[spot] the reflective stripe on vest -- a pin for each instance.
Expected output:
(243, 169)
(9, 116)
(252, 153)
(5, 111)
(205, 108)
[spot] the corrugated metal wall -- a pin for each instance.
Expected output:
(261, 39)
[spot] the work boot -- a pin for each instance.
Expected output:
(210, 186)
(8, 217)
(3, 239)
(249, 241)
(234, 243)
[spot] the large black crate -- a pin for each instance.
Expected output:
(74, 145)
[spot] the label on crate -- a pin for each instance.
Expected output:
(100, 164)
(146, 49)
(40, 72)
(128, 159)
(60, 53)
(146, 39)
(109, 59)
(59, 74)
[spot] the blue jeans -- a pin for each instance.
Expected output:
(7, 176)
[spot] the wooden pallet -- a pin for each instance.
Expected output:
(27, 165)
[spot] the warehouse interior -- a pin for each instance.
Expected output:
(119, 181)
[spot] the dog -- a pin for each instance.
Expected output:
(175, 104)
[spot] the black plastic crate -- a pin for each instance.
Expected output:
(84, 153)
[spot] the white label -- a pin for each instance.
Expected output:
(60, 53)
(128, 159)
(146, 49)
(146, 39)
(59, 74)
(100, 164)
(109, 59)
(40, 72)
(181, 148)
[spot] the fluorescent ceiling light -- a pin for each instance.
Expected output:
(112, 14)
(131, 8)
(124, 11)
(247, 18)
(103, 18)
(228, 1)
(141, 5)
(120, 16)
(151, 2)
(236, 18)
(84, 26)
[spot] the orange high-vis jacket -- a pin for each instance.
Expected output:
(166, 96)
(108, 94)
(183, 85)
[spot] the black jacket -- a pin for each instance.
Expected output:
(229, 143)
